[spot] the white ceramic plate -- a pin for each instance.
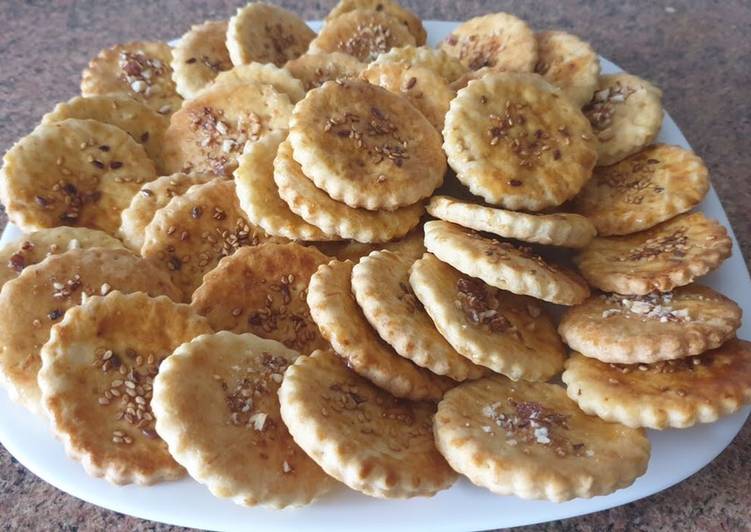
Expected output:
(675, 454)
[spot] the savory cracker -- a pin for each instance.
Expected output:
(33, 248)
(74, 172)
(210, 131)
(200, 55)
(557, 229)
(38, 298)
(410, 20)
(216, 406)
(410, 246)
(670, 254)
(380, 284)
(363, 34)
(262, 290)
(265, 74)
(138, 70)
(471, 75)
(642, 190)
(674, 393)
(530, 440)
(332, 217)
(626, 115)
(142, 123)
(153, 196)
(194, 231)
(315, 69)
(569, 63)
(266, 33)
(343, 325)
(98, 369)
(507, 333)
(259, 195)
(645, 329)
(360, 435)
(503, 265)
(514, 140)
(446, 66)
(365, 146)
(423, 88)
(498, 40)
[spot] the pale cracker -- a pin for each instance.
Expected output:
(265, 74)
(389, 7)
(569, 63)
(315, 69)
(200, 55)
(434, 59)
(410, 245)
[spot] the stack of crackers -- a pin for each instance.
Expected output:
(280, 262)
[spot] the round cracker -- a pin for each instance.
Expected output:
(333, 217)
(446, 66)
(216, 406)
(514, 140)
(557, 229)
(139, 70)
(626, 115)
(74, 172)
(676, 393)
(153, 196)
(39, 297)
(380, 284)
(264, 74)
(530, 440)
(410, 246)
(507, 333)
(498, 40)
(315, 69)
(362, 34)
(263, 290)
(389, 7)
(343, 325)
(671, 254)
(96, 383)
(642, 190)
(645, 329)
(266, 33)
(200, 55)
(359, 434)
(569, 63)
(365, 146)
(503, 265)
(210, 131)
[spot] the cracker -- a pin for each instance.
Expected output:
(516, 142)
(645, 329)
(507, 333)
(313, 70)
(33, 248)
(74, 172)
(365, 146)
(263, 290)
(471, 75)
(259, 195)
(446, 66)
(626, 115)
(194, 231)
(422, 87)
(410, 246)
(359, 434)
(266, 33)
(142, 123)
(569, 63)
(671, 254)
(139, 70)
(265, 74)
(333, 217)
(39, 297)
(503, 265)
(343, 325)
(380, 284)
(676, 393)
(498, 40)
(363, 34)
(557, 229)
(530, 440)
(642, 190)
(216, 406)
(410, 20)
(200, 55)
(96, 383)
(153, 196)
(210, 131)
